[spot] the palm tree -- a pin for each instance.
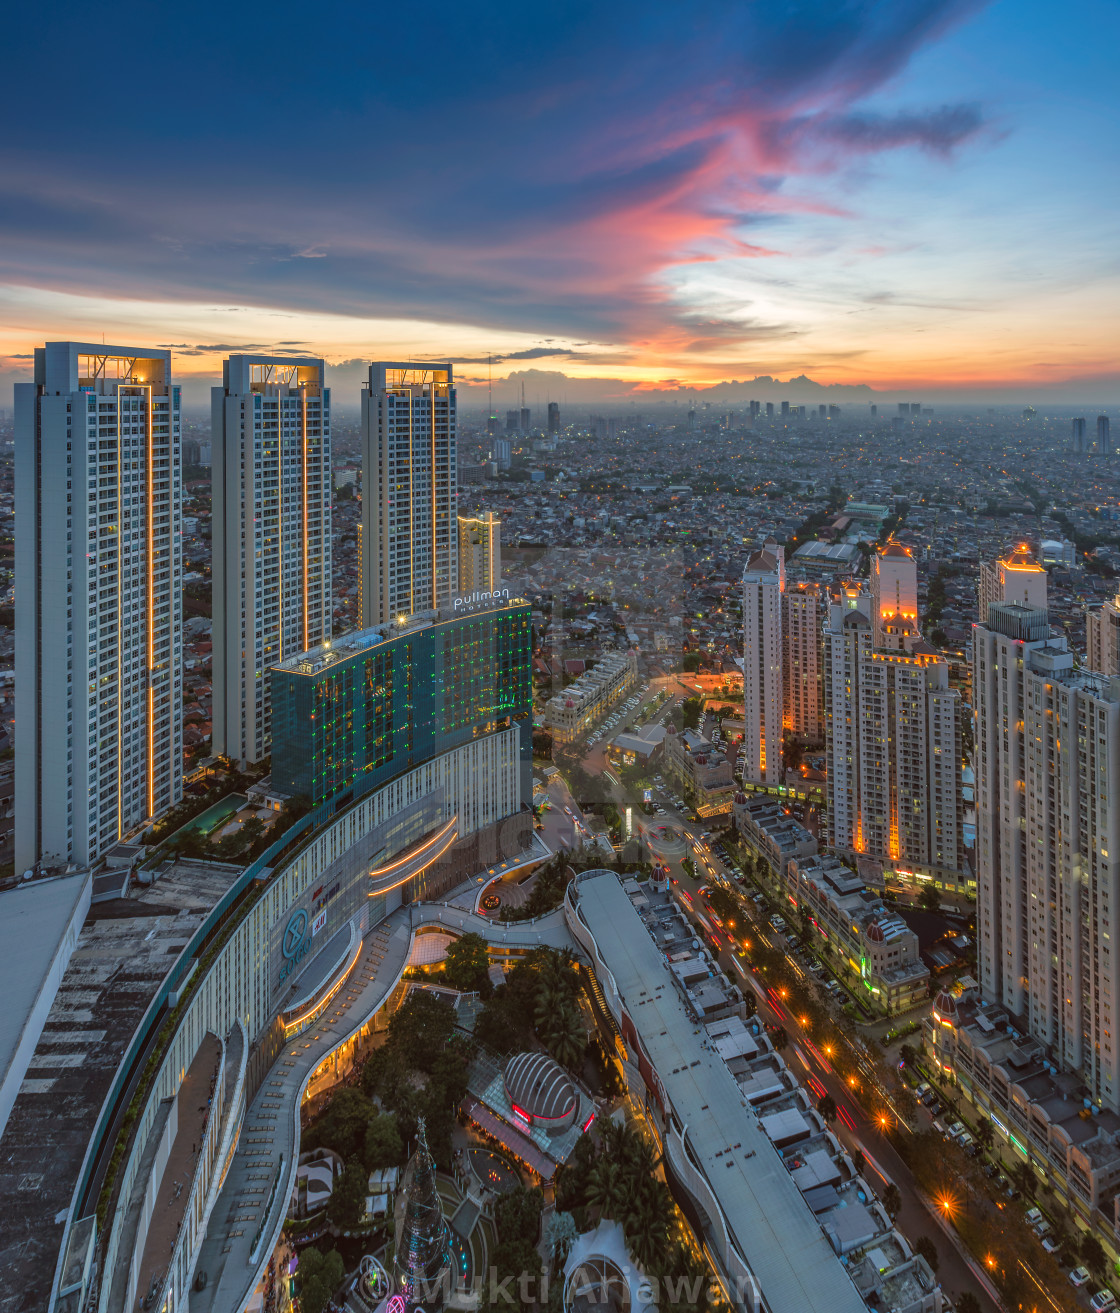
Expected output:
(645, 1221)
(605, 1187)
(984, 1133)
(892, 1200)
(566, 1037)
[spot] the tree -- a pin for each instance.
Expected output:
(968, 1303)
(646, 1217)
(566, 1037)
(343, 1126)
(467, 965)
(1024, 1179)
(605, 1188)
(826, 1106)
(985, 1135)
(928, 1250)
(892, 1200)
(930, 898)
(348, 1198)
(1092, 1253)
(859, 1162)
(909, 1054)
(384, 1146)
(421, 1028)
(779, 1038)
(320, 1275)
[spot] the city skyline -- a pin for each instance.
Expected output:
(864, 197)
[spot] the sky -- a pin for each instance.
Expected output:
(609, 200)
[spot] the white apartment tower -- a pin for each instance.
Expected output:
(1102, 638)
(764, 581)
(1048, 840)
(894, 740)
(894, 588)
(846, 646)
(480, 552)
(271, 481)
(98, 613)
(803, 610)
(409, 491)
(1017, 577)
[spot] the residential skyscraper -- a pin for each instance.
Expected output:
(271, 431)
(803, 612)
(894, 588)
(554, 417)
(480, 552)
(1017, 577)
(409, 491)
(1104, 437)
(1048, 840)
(98, 599)
(1102, 638)
(894, 739)
(764, 581)
(1077, 436)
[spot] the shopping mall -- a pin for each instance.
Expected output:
(174, 1174)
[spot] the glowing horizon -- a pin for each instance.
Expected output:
(891, 193)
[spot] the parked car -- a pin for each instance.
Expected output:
(1050, 1244)
(1079, 1276)
(957, 1128)
(1104, 1301)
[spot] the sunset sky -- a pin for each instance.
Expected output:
(905, 193)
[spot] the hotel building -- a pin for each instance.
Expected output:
(98, 600)
(271, 426)
(480, 552)
(409, 491)
(352, 714)
(764, 581)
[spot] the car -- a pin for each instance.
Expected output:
(923, 1089)
(935, 1107)
(1104, 1301)
(957, 1128)
(991, 1171)
(941, 1130)
(966, 1141)
(1050, 1244)
(1033, 1216)
(1079, 1276)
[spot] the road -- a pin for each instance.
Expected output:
(956, 1272)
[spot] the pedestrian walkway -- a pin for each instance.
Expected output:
(250, 1211)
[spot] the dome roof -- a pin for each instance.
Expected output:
(875, 933)
(945, 1005)
(539, 1086)
(741, 799)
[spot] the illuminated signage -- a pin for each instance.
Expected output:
(296, 943)
(319, 922)
(468, 601)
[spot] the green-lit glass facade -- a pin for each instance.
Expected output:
(384, 701)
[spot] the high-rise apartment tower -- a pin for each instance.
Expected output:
(1017, 577)
(1102, 638)
(764, 581)
(98, 613)
(1048, 840)
(409, 491)
(894, 588)
(271, 480)
(803, 611)
(480, 552)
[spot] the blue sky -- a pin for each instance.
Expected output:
(896, 192)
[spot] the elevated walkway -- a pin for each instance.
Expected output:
(250, 1211)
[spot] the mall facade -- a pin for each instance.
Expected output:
(304, 929)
